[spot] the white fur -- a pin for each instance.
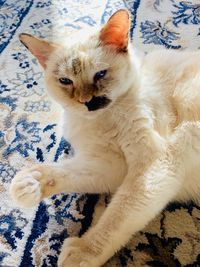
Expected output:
(144, 147)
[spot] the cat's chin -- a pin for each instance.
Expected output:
(82, 111)
(93, 114)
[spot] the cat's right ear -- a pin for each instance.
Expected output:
(39, 48)
(116, 31)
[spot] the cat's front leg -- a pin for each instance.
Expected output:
(31, 185)
(137, 201)
(76, 252)
(132, 207)
(79, 174)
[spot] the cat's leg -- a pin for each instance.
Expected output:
(136, 202)
(79, 174)
(132, 207)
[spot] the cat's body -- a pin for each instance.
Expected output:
(144, 145)
(171, 102)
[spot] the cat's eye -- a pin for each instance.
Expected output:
(65, 81)
(99, 75)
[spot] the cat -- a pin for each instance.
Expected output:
(133, 121)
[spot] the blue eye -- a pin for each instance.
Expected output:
(65, 81)
(99, 75)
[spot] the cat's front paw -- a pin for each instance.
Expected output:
(25, 188)
(76, 253)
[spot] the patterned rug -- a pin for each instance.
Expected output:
(29, 133)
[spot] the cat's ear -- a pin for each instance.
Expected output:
(39, 48)
(116, 30)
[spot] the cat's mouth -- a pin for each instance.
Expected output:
(97, 102)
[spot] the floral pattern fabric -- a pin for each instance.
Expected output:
(29, 132)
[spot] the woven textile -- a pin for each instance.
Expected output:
(29, 132)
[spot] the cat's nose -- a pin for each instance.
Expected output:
(84, 99)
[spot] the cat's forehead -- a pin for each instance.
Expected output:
(79, 59)
(76, 65)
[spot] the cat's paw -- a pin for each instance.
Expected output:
(25, 188)
(76, 253)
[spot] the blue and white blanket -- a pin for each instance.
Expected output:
(28, 132)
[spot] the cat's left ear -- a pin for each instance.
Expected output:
(116, 31)
(41, 49)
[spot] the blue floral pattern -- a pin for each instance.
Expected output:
(43, 4)
(9, 101)
(19, 56)
(11, 16)
(11, 226)
(7, 172)
(186, 12)
(29, 133)
(35, 106)
(25, 83)
(26, 137)
(158, 34)
(3, 87)
(167, 31)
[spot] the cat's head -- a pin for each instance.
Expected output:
(90, 73)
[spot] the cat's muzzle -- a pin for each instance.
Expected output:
(97, 102)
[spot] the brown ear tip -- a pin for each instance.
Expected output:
(123, 10)
(21, 35)
(21, 38)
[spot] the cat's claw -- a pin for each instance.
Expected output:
(25, 188)
(75, 253)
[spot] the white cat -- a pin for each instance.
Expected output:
(133, 123)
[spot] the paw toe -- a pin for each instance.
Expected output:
(25, 189)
